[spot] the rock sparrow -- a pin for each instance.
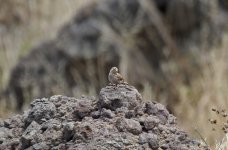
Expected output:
(114, 77)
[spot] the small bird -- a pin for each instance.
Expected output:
(114, 77)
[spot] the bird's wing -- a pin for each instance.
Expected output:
(119, 77)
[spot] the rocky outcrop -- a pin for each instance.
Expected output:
(119, 119)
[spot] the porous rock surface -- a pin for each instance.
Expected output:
(118, 120)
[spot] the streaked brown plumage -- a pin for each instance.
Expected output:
(114, 77)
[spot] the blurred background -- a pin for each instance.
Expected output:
(173, 51)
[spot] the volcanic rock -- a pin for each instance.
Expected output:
(119, 119)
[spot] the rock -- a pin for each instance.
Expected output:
(10, 144)
(123, 96)
(129, 125)
(181, 135)
(15, 121)
(107, 113)
(96, 114)
(150, 122)
(157, 109)
(40, 146)
(153, 141)
(143, 138)
(83, 108)
(5, 134)
(68, 131)
(41, 109)
(29, 136)
(62, 122)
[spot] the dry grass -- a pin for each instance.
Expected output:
(39, 24)
(36, 24)
(209, 90)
